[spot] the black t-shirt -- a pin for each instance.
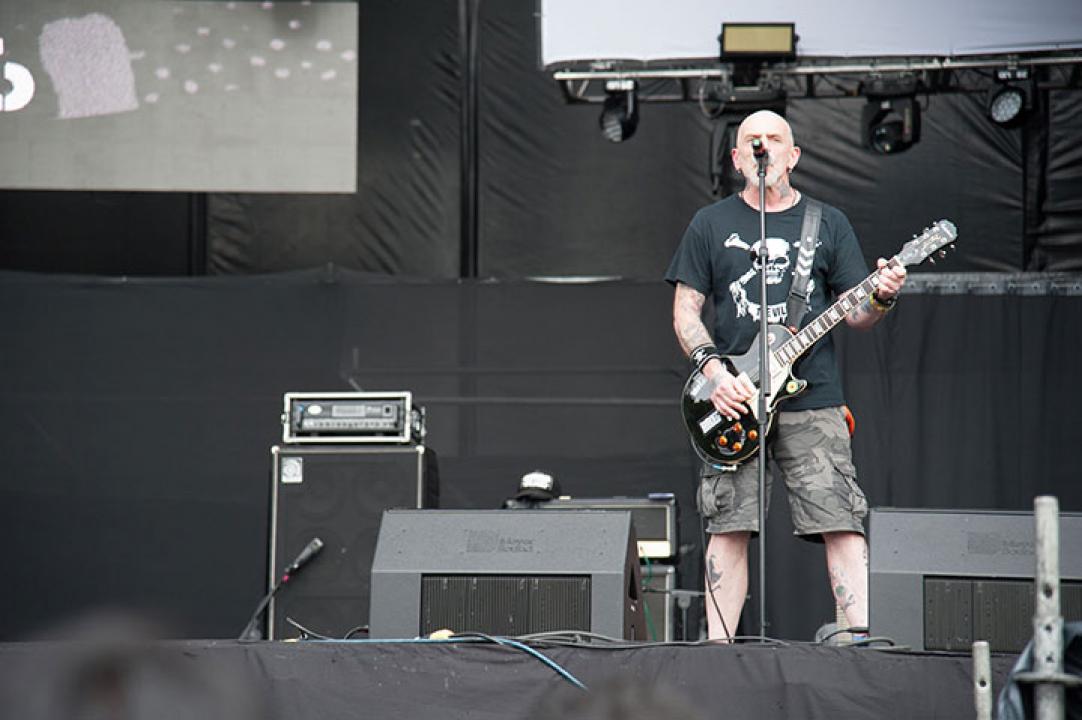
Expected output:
(714, 258)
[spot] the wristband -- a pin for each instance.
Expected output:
(880, 304)
(703, 354)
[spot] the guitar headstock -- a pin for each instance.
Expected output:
(917, 250)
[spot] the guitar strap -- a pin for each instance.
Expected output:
(797, 305)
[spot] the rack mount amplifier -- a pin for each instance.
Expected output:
(351, 417)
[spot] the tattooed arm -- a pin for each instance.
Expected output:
(731, 391)
(687, 318)
(865, 315)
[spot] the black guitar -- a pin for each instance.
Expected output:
(722, 442)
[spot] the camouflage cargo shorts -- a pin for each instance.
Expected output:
(811, 451)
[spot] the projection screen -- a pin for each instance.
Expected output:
(179, 95)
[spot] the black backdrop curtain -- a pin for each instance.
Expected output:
(136, 418)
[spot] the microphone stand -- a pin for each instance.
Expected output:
(252, 630)
(762, 159)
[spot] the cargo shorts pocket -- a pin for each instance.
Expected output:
(858, 504)
(716, 495)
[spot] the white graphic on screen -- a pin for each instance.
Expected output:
(96, 73)
(22, 87)
(89, 63)
(231, 56)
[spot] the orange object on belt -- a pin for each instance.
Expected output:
(850, 421)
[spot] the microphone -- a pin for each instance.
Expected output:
(310, 551)
(758, 149)
(252, 630)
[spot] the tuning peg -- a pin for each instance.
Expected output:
(942, 253)
(931, 260)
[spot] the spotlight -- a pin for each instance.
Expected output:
(890, 124)
(1009, 101)
(891, 121)
(620, 114)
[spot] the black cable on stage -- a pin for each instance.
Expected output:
(841, 631)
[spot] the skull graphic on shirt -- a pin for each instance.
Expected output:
(777, 265)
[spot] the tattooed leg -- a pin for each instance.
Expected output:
(847, 564)
(726, 582)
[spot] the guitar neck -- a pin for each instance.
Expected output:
(811, 333)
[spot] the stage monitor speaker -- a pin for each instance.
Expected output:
(338, 494)
(506, 572)
(942, 579)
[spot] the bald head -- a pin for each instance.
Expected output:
(764, 122)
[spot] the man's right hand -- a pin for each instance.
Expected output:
(731, 391)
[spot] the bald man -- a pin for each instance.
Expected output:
(809, 447)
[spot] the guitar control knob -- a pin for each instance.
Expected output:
(737, 427)
(737, 446)
(753, 435)
(723, 441)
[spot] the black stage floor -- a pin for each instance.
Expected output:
(477, 680)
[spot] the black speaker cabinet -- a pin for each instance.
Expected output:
(942, 579)
(338, 494)
(506, 572)
(654, 517)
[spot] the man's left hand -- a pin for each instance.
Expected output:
(890, 280)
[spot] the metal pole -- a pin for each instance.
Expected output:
(982, 680)
(764, 392)
(1047, 621)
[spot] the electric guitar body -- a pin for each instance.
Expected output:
(718, 440)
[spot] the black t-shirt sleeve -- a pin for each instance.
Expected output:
(691, 263)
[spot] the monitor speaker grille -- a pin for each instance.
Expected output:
(505, 604)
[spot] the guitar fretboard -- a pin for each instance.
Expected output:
(798, 344)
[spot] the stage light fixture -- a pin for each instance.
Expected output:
(890, 121)
(761, 41)
(620, 112)
(1009, 101)
(751, 46)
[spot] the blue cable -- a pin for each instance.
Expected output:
(474, 637)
